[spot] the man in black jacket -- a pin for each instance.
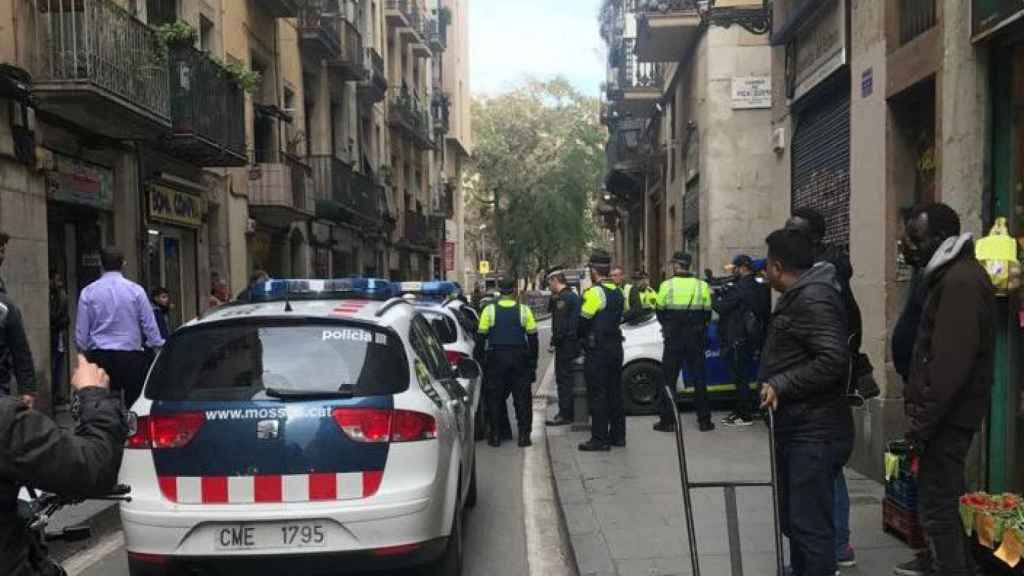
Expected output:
(565, 314)
(743, 308)
(951, 371)
(35, 452)
(803, 374)
(15, 354)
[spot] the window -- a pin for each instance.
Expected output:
(160, 12)
(444, 327)
(205, 34)
(429, 349)
(239, 360)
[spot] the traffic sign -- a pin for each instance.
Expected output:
(485, 267)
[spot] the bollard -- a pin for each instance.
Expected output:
(581, 405)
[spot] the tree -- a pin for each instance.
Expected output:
(538, 165)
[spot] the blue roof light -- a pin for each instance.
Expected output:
(434, 290)
(331, 289)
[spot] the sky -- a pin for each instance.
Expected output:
(512, 39)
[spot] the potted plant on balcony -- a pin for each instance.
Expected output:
(178, 34)
(236, 72)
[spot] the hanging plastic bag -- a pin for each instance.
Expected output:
(997, 252)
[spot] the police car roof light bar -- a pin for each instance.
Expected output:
(288, 290)
(391, 304)
(433, 290)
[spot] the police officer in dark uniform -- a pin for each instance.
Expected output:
(684, 310)
(565, 314)
(600, 317)
(507, 335)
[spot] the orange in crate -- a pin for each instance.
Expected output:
(902, 523)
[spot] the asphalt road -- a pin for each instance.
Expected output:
(494, 530)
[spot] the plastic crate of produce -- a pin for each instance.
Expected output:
(902, 490)
(902, 523)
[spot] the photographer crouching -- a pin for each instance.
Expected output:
(36, 452)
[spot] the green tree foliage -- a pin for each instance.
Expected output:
(538, 165)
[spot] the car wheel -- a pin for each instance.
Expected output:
(641, 382)
(450, 563)
(471, 493)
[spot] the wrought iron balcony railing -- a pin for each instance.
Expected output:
(207, 111)
(367, 197)
(95, 49)
(374, 86)
(350, 59)
(637, 74)
(665, 6)
(915, 17)
(408, 113)
(318, 29)
(440, 110)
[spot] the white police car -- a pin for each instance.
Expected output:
(318, 429)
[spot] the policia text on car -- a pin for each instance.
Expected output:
(600, 317)
(508, 345)
(684, 310)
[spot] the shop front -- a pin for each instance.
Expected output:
(171, 258)
(999, 27)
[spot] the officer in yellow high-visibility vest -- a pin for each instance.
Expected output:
(641, 299)
(684, 310)
(601, 335)
(507, 336)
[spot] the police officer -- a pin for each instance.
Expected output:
(508, 335)
(641, 299)
(565, 314)
(684, 310)
(600, 316)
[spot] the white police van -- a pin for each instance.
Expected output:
(318, 429)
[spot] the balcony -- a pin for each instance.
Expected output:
(318, 31)
(915, 18)
(666, 29)
(100, 68)
(367, 198)
(374, 87)
(350, 61)
(635, 86)
(280, 193)
(207, 112)
(420, 39)
(408, 115)
(421, 230)
(624, 156)
(280, 8)
(440, 110)
(405, 16)
(438, 35)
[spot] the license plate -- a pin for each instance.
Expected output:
(270, 535)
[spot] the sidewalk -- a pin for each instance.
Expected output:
(624, 508)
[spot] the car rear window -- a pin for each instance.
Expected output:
(444, 326)
(238, 361)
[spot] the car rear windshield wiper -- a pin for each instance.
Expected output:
(344, 391)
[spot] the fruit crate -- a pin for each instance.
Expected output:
(902, 523)
(902, 490)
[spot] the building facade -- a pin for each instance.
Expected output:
(207, 139)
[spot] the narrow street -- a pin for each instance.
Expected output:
(495, 543)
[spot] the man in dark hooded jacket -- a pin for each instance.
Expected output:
(947, 393)
(803, 374)
(35, 452)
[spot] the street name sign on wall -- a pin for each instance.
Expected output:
(751, 92)
(988, 16)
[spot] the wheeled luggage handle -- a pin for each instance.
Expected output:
(732, 516)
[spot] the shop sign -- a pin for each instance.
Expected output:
(987, 16)
(751, 92)
(174, 206)
(485, 267)
(449, 256)
(820, 49)
(77, 182)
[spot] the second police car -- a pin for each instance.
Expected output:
(318, 429)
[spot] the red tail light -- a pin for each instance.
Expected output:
(411, 426)
(455, 357)
(373, 425)
(166, 431)
(369, 425)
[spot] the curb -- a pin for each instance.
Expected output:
(548, 547)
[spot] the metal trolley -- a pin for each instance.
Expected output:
(731, 512)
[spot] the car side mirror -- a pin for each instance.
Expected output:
(468, 369)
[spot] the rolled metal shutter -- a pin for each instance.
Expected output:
(821, 157)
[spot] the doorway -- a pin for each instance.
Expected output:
(165, 269)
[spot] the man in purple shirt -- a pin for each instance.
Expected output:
(114, 314)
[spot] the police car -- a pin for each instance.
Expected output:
(318, 429)
(642, 376)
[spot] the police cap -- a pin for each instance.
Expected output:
(506, 285)
(743, 261)
(600, 258)
(683, 259)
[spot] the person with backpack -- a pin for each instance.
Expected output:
(743, 308)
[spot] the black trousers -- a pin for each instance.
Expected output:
(806, 479)
(565, 355)
(940, 485)
(509, 370)
(603, 372)
(738, 356)
(688, 347)
(127, 371)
